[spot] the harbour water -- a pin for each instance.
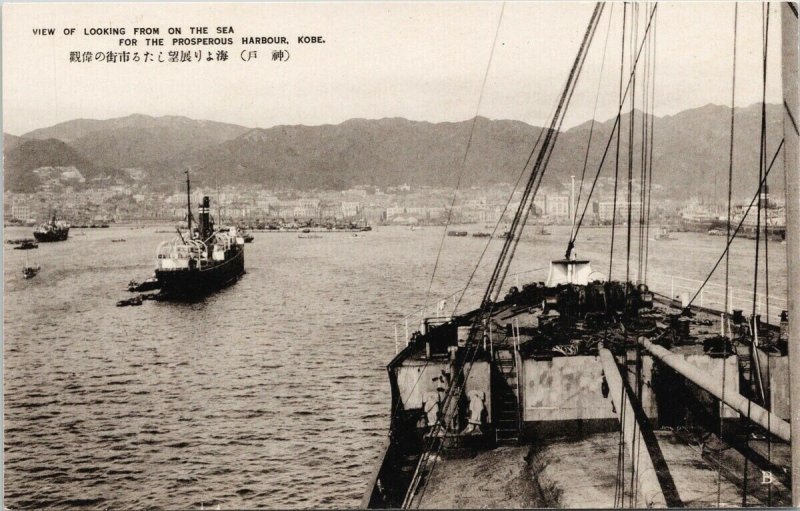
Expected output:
(271, 393)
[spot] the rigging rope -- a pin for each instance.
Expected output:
(500, 218)
(762, 164)
(466, 153)
(619, 487)
(615, 130)
(510, 244)
(461, 374)
(591, 125)
(650, 146)
(736, 231)
(728, 235)
(616, 159)
(634, 39)
(632, 123)
(643, 162)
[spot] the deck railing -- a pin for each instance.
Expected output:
(712, 296)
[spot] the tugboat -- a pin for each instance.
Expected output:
(149, 284)
(54, 230)
(205, 262)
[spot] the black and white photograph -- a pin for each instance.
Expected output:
(403, 255)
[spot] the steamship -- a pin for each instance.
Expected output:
(772, 214)
(586, 391)
(206, 260)
(54, 230)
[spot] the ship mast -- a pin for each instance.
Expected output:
(189, 204)
(790, 162)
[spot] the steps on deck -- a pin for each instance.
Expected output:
(506, 398)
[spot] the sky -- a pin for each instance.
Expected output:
(423, 61)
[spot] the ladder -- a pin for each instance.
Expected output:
(506, 401)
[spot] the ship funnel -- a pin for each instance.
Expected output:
(206, 227)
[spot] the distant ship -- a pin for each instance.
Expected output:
(699, 219)
(770, 220)
(205, 262)
(54, 230)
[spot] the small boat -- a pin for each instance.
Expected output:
(20, 241)
(147, 285)
(27, 245)
(28, 272)
(120, 240)
(309, 236)
(664, 234)
(480, 234)
(457, 233)
(136, 300)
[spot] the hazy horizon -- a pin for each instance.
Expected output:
(739, 107)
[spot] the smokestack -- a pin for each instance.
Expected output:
(206, 227)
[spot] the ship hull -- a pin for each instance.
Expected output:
(542, 407)
(195, 283)
(700, 225)
(56, 235)
(773, 233)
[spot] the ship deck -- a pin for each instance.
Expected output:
(567, 450)
(582, 473)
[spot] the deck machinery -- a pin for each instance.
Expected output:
(581, 362)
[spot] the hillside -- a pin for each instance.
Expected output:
(23, 160)
(690, 151)
(10, 141)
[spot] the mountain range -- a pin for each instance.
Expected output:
(690, 152)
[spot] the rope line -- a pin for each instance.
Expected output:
(461, 374)
(466, 153)
(617, 125)
(616, 158)
(594, 115)
(736, 231)
(521, 215)
(728, 235)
